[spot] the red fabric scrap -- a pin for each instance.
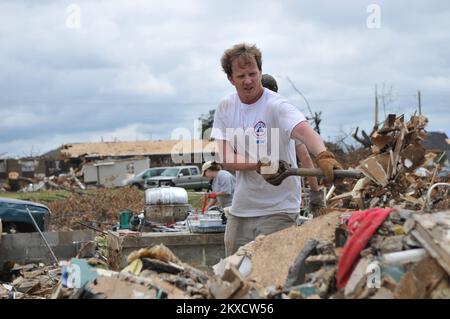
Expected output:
(361, 226)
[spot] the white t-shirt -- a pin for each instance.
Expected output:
(258, 130)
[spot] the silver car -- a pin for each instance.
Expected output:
(179, 176)
(138, 181)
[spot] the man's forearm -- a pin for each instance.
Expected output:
(305, 133)
(307, 162)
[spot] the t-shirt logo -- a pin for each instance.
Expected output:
(260, 129)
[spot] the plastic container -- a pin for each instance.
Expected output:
(210, 222)
(124, 219)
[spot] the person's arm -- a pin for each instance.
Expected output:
(305, 133)
(325, 159)
(306, 162)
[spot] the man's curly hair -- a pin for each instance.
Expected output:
(246, 52)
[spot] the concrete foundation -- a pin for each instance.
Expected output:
(25, 248)
(198, 250)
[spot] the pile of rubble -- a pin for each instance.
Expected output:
(377, 253)
(152, 273)
(406, 256)
(69, 182)
(396, 174)
(30, 281)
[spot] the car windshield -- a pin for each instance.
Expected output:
(170, 172)
(156, 171)
(151, 172)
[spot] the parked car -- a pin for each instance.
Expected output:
(179, 176)
(138, 181)
(15, 217)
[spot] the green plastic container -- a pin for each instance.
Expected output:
(124, 219)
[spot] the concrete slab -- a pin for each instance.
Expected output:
(30, 247)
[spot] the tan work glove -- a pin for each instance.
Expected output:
(325, 160)
(264, 166)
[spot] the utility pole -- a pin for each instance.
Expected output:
(375, 126)
(420, 102)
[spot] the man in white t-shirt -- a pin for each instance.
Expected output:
(253, 125)
(316, 200)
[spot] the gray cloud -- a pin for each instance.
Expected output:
(138, 70)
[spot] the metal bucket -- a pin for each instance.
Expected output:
(166, 195)
(166, 214)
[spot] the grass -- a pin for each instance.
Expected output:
(194, 198)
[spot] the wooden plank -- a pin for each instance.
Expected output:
(397, 149)
(375, 168)
(433, 232)
(420, 280)
(172, 291)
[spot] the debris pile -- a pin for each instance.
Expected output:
(377, 253)
(29, 281)
(394, 173)
(152, 273)
(69, 182)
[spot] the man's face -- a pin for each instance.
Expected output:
(246, 78)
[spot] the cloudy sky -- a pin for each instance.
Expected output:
(80, 71)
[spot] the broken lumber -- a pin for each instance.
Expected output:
(433, 232)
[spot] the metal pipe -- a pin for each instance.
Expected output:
(92, 227)
(338, 173)
(330, 193)
(42, 235)
(429, 204)
(404, 257)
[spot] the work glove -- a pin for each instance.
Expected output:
(316, 202)
(326, 161)
(265, 166)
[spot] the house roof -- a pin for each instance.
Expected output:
(136, 148)
(436, 141)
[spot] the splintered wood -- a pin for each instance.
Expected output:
(433, 232)
(397, 170)
(395, 145)
(275, 253)
(376, 168)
